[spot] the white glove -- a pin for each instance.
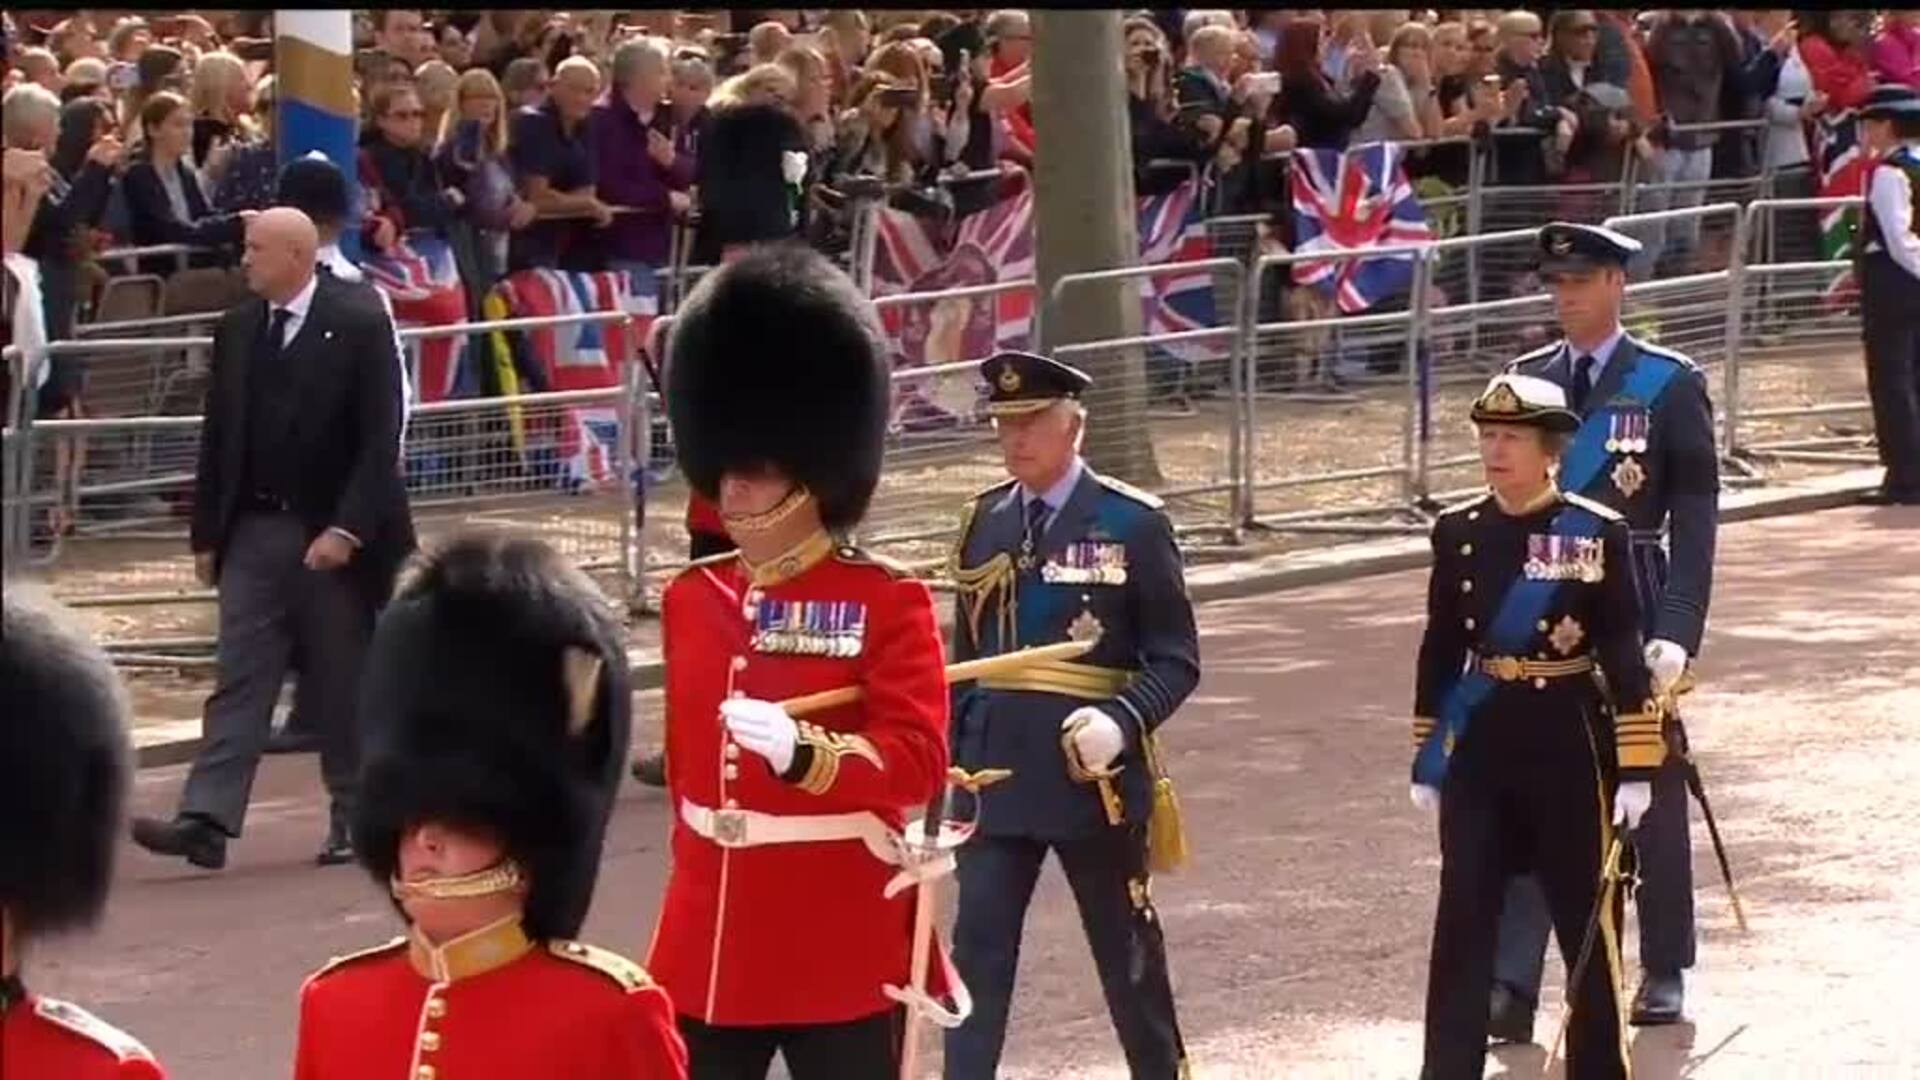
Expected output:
(1098, 738)
(1665, 662)
(1630, 802)
(764, 728)
(1425, 796)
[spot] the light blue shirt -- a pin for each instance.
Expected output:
(1056, 496)
(1602, 354)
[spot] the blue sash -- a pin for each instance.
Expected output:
(1581, 464)
(1511, 633)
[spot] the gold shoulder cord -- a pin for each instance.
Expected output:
(978, 585)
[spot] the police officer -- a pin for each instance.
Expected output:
(496, 715)
(1887, 259)
(1645, 449)
(1528, 757)
(63, 780)
(1060, 552)
(786, 927)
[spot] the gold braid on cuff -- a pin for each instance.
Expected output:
(828, 747)
(503, 876)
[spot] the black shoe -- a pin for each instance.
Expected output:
(196, 839)
(1891, 497)
(1659, 1000)
(1509, 1016)
(651, 770)
(286, 740)
(338, 849)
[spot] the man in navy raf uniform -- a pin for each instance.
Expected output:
(1056, 553)
(1645, 450)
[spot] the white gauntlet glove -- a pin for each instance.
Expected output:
(1630, 802)
(1665, 662)
(764, 728)
(1097, 737)
(1425, 796)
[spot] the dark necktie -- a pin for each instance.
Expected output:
(1036, 524)
(277, 333)
(1582, 383)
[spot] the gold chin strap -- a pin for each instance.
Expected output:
(755, 524)
(503, 876)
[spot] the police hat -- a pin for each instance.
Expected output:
(776, 359)
(63, 766)
(316, 187)
(1567, 245)
(495, 696)
(1021, 382)
(1525, 399)
(1890, 102)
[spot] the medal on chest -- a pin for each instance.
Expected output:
(1565, 558)
(835, 628)
(1087, 562)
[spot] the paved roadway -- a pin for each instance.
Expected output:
(1299, 937)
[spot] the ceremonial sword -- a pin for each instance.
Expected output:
(1697, 787)
(1609, 877)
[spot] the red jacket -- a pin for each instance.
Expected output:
(495, 1004)
(42, 1037)
(1841, 74)
(796, 933)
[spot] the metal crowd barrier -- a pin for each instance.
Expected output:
(488, 462)
(1312, 422)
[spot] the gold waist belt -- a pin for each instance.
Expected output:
(1515, 669)
(1087, 681)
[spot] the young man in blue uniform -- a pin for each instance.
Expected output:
(1646, 450)
(1059, 552)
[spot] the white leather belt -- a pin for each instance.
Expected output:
(753, 828)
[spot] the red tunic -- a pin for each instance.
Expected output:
(796, 933)
(44, 1037)
(488, 1004)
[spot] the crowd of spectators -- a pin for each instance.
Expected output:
(592, 140)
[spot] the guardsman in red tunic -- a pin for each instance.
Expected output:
(63, 778)
(777, 933)
(495, 714)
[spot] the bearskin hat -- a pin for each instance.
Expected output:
(496, 696)
(776, 359)
(63, 766)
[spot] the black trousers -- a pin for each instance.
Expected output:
(866, 1049)
(272, 609)
(1108, 874)
(1890, 325)
(1529, 787)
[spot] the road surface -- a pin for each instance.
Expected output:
(1299, 936)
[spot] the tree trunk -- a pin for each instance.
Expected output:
(1084, 219)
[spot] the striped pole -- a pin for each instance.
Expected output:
(313, 92)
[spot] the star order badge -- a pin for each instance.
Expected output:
(1567, 635)
(1085, 627)
(1629, 476)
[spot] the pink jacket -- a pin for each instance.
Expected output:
(1895, 54)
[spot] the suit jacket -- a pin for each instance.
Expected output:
(345, 434)
(152, 220)
(1107, 565)
(1672, 488)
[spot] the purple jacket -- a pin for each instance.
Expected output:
(1896, 55)
(626, 175)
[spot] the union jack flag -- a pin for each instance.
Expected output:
(580, 442)
(913, 254)
(1353, 201)
(422, 284)
(1173, 230)
(1843, 168)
